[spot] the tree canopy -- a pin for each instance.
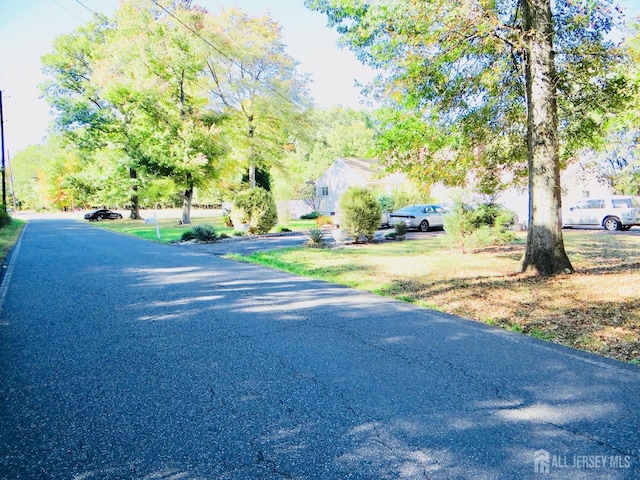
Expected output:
(457, 79)
(164, 92)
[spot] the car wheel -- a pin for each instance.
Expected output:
(119, 217)
(624, 228)
(424, 226)
(612, 223)
(98, 218)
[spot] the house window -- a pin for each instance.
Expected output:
(323, 191)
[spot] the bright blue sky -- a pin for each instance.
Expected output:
(28, 27)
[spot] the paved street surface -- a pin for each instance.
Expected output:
(123, 359)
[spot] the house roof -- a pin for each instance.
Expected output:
(369, 168)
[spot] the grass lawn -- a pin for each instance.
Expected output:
(9, 236)
(596, 309)
(171, 230)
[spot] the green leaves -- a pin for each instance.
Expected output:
(175, 92)
(454, 74)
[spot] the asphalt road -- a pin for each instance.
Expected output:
(122, 359)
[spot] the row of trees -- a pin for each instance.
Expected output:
(174, 94)
(158, 101)
(507, 90)
(52, 175)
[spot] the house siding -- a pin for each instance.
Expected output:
(341, 175)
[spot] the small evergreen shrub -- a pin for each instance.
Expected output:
(400, 229)
(257, 208)
(205, 233)
(310, 216)
(386, 202)
(360, 213)
(399, 232)
(201, 233)
(187, 236)
(315, 238)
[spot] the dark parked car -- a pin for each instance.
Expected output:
(97, 215)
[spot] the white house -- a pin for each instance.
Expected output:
(346, 172)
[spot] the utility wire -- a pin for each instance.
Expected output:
(207, 42)
(101, 15)
(224, 55)
(65, 9)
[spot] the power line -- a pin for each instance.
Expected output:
(65, 9)
(207, 42)
(98, 14)
(224, 55)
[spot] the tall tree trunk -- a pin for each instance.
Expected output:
(135, 202)
(186, 202)
(545, 253)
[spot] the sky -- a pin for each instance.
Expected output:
(28, 28)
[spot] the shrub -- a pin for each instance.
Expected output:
(482, 226)
(315, 238)
(257, 208)
(202, 233)
(360, 213)
(386, 202)
(187, 236)
(323, 220)
(310, 216)
(400, 229)
(399, 232)
(493, 215)
(5, 218)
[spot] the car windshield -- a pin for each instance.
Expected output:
(411, 209)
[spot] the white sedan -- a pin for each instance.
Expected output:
(421, 217)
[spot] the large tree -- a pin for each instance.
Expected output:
(128, 90)
(151, 75)
(472, 86)
(254, 82)
(89, 121)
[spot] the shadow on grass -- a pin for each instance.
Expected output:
(548, 308)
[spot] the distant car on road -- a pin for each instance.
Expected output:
(613, 213)
(102, 214)
(421, 217)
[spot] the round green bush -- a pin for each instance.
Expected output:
(257, 208)
(202, 233)
(360, 213)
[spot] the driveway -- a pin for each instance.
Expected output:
(123, 359)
